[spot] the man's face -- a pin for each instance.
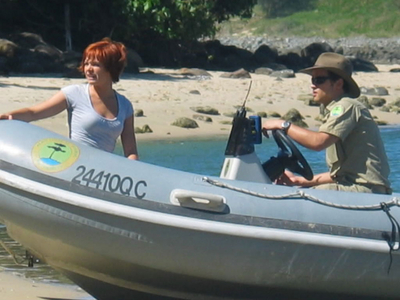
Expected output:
(324, 89)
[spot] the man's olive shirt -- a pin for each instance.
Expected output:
(359, 156)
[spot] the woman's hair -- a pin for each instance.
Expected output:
(111, 54)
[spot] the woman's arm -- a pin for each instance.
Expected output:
(128, 139)
(45, 109)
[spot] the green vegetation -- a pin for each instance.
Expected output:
(326, 18)
(82, 22)
(73, 24)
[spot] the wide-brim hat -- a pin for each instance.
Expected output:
(339, 65)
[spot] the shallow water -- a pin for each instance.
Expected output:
(207, 156)
(202, 157)
(19, 264)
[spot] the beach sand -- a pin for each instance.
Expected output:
(164, 96)
(15, 287)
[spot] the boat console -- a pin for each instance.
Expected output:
(241, 161)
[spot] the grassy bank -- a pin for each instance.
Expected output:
(326, 18)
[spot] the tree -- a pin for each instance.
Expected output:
(88, 21)
(183, 19)
(124, 20)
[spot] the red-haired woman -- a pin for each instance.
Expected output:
(97, 114)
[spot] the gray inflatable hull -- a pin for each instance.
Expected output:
(125, 229)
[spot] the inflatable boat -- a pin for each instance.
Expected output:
(124, 229)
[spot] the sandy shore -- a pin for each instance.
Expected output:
(164, 96)
(14, 287)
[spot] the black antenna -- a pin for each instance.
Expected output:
(242, 111)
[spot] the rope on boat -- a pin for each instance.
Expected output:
(303, 195)
(392, 239)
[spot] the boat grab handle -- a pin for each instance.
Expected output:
(198, 200)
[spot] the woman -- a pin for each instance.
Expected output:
(97, 115)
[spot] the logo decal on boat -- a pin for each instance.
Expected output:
(54, 155)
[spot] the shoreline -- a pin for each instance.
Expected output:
(164, 95)
(16, 287)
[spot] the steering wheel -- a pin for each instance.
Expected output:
(292, 160)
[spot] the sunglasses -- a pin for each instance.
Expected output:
(319, 80)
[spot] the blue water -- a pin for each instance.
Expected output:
(207, 156)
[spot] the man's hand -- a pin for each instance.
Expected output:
(289, 179)
(271, 125)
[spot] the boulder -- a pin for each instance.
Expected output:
(294, 116)
(202, 118)
(378, 102)
(283, 74)
(377, 91)
(205, 110)
(242, 73)
(311, 52)
(265, 55)
(7, 48)
(363, 65)
(185, 123)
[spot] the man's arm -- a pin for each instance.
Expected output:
(307, 138)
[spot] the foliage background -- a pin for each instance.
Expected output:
(159, 30)
(123, 20)
(325, 18)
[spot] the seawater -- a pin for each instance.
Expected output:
(207, 156)
(197, 156)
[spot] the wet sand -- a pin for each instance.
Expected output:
(16, 287)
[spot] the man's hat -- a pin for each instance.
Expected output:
(338, 64)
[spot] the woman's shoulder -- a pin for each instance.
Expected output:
(74, 88)
(125, 104)
(123, 99)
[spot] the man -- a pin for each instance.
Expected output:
(355, 153)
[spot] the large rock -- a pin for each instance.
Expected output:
(185, 123)
(27, 53)
(311, 52)
(241, 73)
(134, 62)
(294, 116)
(49, 50)
(265, 55)
(292, 60)
(363, 65)
(7, 48)
(27, 40)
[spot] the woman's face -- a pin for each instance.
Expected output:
(95, 72)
